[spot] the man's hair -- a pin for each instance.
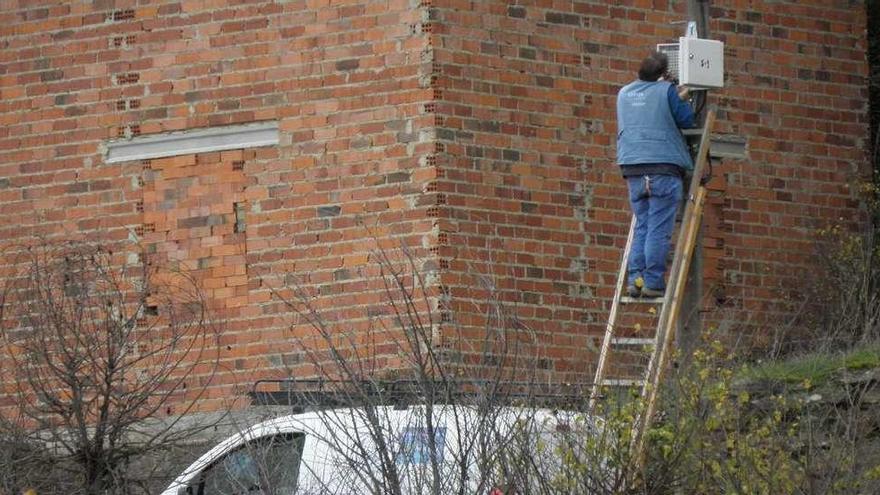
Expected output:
(655, 65)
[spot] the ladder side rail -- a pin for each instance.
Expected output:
(612, 318)
(687, 220)
(652, 383)
(690, 218)
(648, 392)
(690, 229)
(672, 300)
(671, 289)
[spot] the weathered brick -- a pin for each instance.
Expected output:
(516, 11)
(329, 211)
(349, 64)
(562, 18)
(398, 177)
(51, 75)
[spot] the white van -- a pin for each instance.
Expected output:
(348, 451)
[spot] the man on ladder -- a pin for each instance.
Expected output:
(653, 158)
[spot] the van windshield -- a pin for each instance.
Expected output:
(266, 465)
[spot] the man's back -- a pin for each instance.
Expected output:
(647, 128)
(653, 157)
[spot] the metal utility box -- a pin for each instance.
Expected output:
(695, 62)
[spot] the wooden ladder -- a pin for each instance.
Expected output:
(664, 335)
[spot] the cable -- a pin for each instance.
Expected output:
(708, 175)
(701, 103)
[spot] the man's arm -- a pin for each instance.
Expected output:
(681, 110)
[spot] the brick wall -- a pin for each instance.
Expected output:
(526, 94)
(478, 134)
(798, 91)
(344, 80)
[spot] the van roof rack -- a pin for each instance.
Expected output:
(316, 394)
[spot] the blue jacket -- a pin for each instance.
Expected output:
(649, 115)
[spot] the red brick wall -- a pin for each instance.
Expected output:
(797, 90)
(345, 81)
(479, 134)
(526, 95)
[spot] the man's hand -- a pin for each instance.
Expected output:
(683, 92)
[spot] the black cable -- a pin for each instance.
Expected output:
(701, 104)
(708, 175)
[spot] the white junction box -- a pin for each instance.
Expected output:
(696, 63)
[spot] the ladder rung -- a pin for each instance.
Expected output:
(693, 132)
(622, 382)
(645, 300)
(632, 341)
